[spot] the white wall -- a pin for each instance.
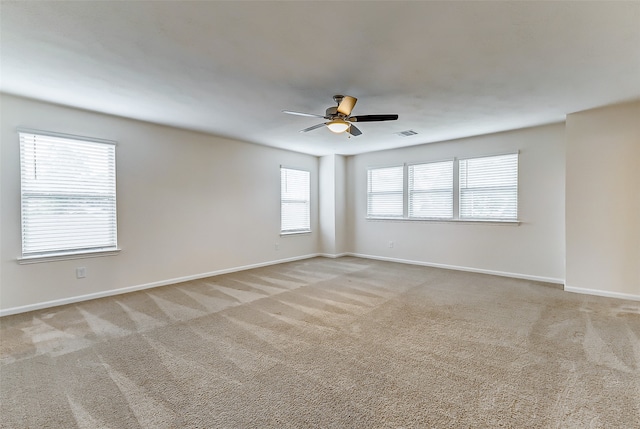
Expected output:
(327, 202)
(534, 249)
(603, 201)
(188, 204)
(332, 211)
(191, 204)
(341, 204)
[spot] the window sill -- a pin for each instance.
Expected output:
(286, 234)
(496, 222)
(65, 256)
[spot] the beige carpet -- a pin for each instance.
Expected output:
(346, 343)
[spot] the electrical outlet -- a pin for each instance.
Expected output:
(390, 244)
(277, 246)
(81, 272)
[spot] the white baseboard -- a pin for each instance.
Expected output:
(75, 299)
(333, 255)
(605, 293)
(460, 268)
(87, 297)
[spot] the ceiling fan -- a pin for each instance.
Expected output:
(339, 117)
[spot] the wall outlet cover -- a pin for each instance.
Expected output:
(81, 272)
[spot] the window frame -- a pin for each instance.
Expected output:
(307, 201)
(402, 192)
(411, 192)
(456, 218)
(90, 251)
(517, 188)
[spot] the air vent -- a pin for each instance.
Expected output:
(407, 133)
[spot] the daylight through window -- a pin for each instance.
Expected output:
(68, 193)
(489, 187)
(485, 189)
(385, 192)
(431, 190)
(295, 195)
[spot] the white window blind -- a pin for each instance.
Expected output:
(431, 190)
(295, 210)
(385, 192)
(68, 192)
(489, 187)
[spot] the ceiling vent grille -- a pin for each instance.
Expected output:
(407, 133)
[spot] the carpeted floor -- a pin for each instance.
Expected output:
(345, 343)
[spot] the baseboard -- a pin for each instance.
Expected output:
(80, 298)
(605, 293)
(460, 268)
(333, 255)
(87, 297)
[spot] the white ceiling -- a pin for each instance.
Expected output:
(449, 69)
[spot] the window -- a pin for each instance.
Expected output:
(484, 189)
(431, 190)
(385, 192)
(295, 211)
(68, 193)
(489, 187)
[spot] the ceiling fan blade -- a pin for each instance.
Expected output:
(306, 130)
(346, 105)
(353, 130)
(311, 115)
(373, 118)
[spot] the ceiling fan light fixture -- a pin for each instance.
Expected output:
(337, 126)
